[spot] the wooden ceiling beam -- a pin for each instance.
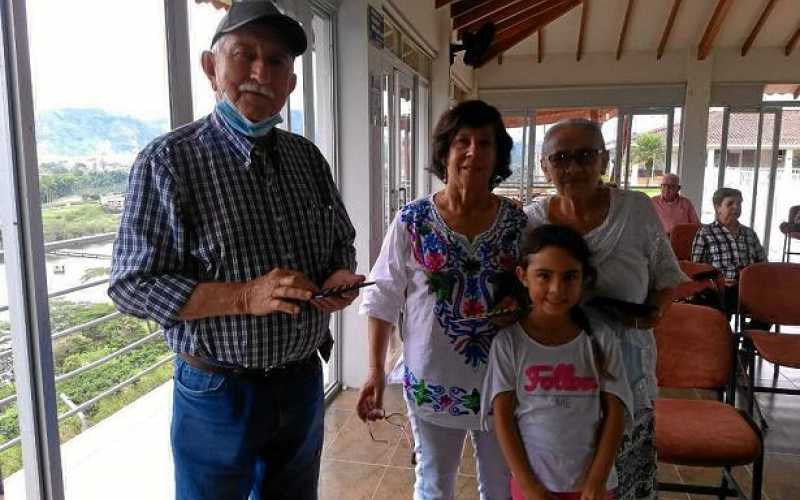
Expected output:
(668, 28)
(582, 29)
(523, 21)
(713, 28)
(478, 14)
(792, 42)
(442, 3)
(460, 7)
(512, 36)
(759, 24)
(517, 10)
(796, 92)
(624, 31)
(540, 45)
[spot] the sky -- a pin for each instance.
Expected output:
(110, 54)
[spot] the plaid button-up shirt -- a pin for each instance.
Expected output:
(206, 203)
(715, 245)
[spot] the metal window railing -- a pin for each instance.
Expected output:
(94, 364)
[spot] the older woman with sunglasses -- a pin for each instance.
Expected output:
(448, 260)
(635, 264)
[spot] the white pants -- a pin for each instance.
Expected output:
(438, 452)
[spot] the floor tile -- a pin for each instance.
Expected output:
(335, 419)
(355, 444)
(782, 477)
(466, 488)
(397, 484)
(345, 400)
(345, 480)
(468, 458)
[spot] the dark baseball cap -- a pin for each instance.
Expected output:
(244, 12)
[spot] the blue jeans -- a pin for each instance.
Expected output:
(235, 439)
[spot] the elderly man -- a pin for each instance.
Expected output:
(230, 227)
(671, 207)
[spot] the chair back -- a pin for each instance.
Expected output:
(770, 291)
(695, 348)
(794, 215)
(681, 238)
(706, 280)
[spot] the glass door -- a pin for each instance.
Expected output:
(397, 140)
(744, 152)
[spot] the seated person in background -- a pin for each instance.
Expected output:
(728, 245)
(671, 207)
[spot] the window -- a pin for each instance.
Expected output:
(203, 21)
(95, 109)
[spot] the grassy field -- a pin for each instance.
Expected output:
(76, 220)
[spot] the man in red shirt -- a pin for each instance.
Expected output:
(671, 207)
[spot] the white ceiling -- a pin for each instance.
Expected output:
(648, 19)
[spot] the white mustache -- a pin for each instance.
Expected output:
(256, 88)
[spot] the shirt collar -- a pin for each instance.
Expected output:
(245, 148)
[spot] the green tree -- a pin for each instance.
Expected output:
(647, 149)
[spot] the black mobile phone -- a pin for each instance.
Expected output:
(338, 290)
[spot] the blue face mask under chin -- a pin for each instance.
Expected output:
(233, 117)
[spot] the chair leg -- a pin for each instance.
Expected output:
(723, 485)
(758, 476)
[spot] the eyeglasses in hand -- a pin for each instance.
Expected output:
(394, 419)
(583, 157)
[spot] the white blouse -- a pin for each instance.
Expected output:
(632, 256)
(442, 278)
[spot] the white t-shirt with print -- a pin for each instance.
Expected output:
(557, 391)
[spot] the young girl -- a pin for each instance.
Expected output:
(555, 381)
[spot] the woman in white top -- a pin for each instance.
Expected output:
(634, 262)
(449, 259)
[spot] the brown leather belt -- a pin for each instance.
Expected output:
(293, 368)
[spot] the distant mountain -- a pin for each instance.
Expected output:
(82, 132)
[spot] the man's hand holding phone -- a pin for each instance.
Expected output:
(330, 303)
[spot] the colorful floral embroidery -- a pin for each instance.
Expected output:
(467, 279)
(455, 400)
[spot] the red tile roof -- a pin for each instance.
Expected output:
(743, 129)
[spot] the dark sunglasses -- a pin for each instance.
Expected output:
(583, 157)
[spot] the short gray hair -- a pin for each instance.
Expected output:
(722, 193)
(670, 175)
(582, 123)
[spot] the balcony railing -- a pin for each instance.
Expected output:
(76, 409)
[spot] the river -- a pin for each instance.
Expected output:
(73, 272)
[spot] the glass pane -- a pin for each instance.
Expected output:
(386, 149)
(203, 21)
(516, 126)
(89, 128)
(713, 156)
(787, 181)
(322, 68)
(423, 137)
(405, 129)
(757, 216)
(11, 466)
(648, 153)
(296, 108)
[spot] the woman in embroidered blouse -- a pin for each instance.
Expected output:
(635, 263)
(446, 258)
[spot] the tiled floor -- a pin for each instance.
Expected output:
(355, 467)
